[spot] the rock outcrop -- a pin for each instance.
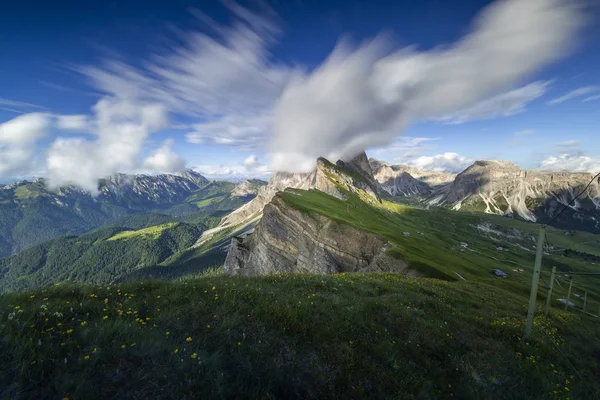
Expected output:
(278, 182)
(287, 240)
(402, 180)
(247, 188)
(354, 176)
(501, 187)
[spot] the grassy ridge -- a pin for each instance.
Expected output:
(305, 337)
(433, 244)
(151, 232)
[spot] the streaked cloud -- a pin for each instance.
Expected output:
(583, 91)
(503, 105)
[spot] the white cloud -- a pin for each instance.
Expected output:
(72, 122)
(227, 80)
(591, 98)
(121, 128)
(357, 99)
(568, 143)
(251, 162)
(164, 160)
(245, 133)
(583, 91)
(18, 138)
(360, 99)
(233, 172)
(505, 104)
(18, 107)
(573, 163)
(447, 162)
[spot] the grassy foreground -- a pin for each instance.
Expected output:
(298, 336)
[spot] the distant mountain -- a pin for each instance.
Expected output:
(354, 174)
(499, 187)
(402, 180)
(31, 213)
(248, 187)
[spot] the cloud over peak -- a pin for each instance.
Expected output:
(362, 98)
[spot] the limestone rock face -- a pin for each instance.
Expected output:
(323, 178)
(289, 241)
(402, 180)
(501, 187)
(247, 188)
(278, 182)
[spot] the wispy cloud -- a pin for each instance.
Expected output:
(591, 98)
(405, 147)
(583, 91)
(525, 132)
(18, 107)
(503, 105)
(568, 143)
(365, 97)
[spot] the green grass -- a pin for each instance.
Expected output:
(437, 253)
(152, 232)
(294, 337)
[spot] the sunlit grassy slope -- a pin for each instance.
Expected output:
(152, 232)
(433, 243)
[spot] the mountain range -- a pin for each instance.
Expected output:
(32, 213)
(169, 225)
(503, 188)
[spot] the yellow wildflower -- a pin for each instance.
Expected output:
(194, 355)
(86, 358)
(83, 323)
(105, 317)
(188, 339)
(175, 351)
(69, 331)
(123, 346)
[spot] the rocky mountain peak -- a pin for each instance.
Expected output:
(247, 188)
(354, 175)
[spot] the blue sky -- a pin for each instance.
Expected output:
(242, 89)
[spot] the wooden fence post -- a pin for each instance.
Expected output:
(584, 301)
(534, 281)
(569, 294)
(549, 298)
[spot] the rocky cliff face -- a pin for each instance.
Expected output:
(402, 180)
(287, 240)
(278, 182)
(354, 175)
(501, 187)
(247, 188)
